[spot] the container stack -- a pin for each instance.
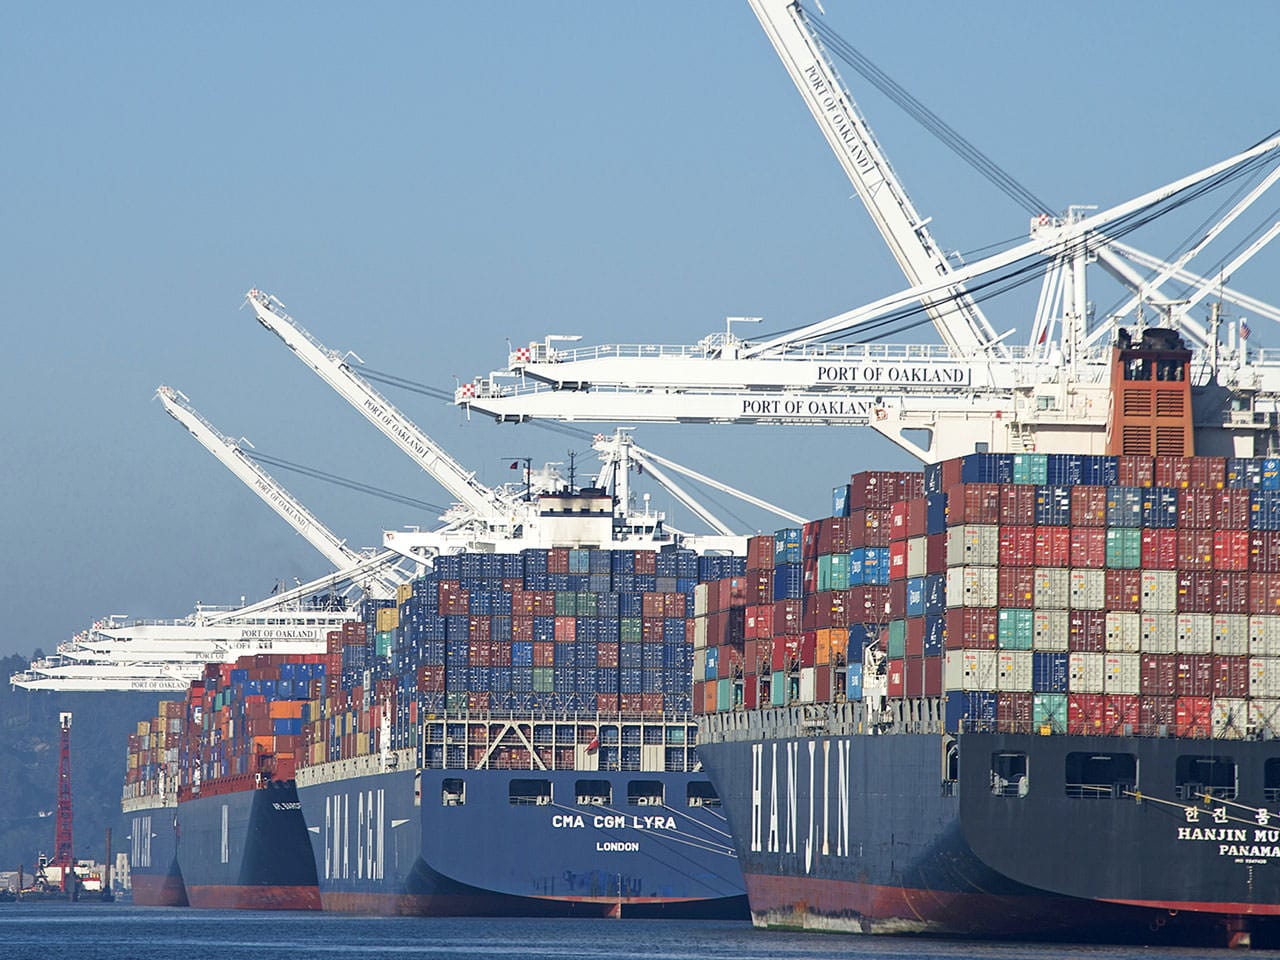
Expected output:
(1037, 593)
(153, 760)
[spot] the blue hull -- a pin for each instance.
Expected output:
(154, 873)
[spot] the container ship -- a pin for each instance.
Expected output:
(1015, 695)
(538, 701)
(150, 806)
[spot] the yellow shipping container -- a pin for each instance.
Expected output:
(144, 727)
(404, 593)
(388, 619)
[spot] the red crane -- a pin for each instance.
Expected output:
(62, 846)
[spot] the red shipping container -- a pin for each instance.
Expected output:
(895, 677)
(478, 653)
(935, 554)
(676, 602)
(809, 540)
(1194, 675)
(606, 655)
(1195, 592)
(1196, 509)
(1017, 546)
(973, 503)
(1015, 586)
(788, 615)
(1135, 471)
(1195, 549)
(1053, 546)
(1014, 712)
(730, 664)
(786, 652)
(750, 693)
(1159, 676)
(522, 629)
(1194, 718)
(1204, 473)
(1159, 549)
(867, 604)
(544, 653)
(1088, 506)
(1157, 712)
(822, 685)
(1264, 551)
(898, 560)
(1121, 714)
(719, 625)
(912, 678)
(917, 514)
(932, 676)
(1086, 713)
(1231, 676)
(1017, 504)
(1087, 631)
(808, 648)
(1231, 550)
(558, 560)
(646, 562)
(1232, 509)
(1231, 591)
(759, 622)
(898, 521)
(478, 628)
(915, 638)
(875, 529)
(883, 488)
(897, 606)
(1264, 593)
(1123, 589)
(760, 553)
(764, 657)
(1088, 547)
(972, 628)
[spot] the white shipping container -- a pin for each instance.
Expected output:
(1124, 633)
(1013, 671)
(970, 670)
(700, 664)
(971, 587)
(1084, 672)
(973, 545)
(1264, 717)
(1230, 718)
(1088, 589)
(1264, 635)
(1195, 634)
(1050, 630)
(1052, 588)
(700, 594)
(1231, 634)
(808, 683)
(1159, 591)
(1121, 673)
(699, 631)
(1159, 632)
(1264, 678)
(915, 556)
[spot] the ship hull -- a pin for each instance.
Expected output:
(247, 849)
(155, 877)
(389, 843)
(871, 834)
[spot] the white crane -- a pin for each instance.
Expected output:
(381, 584)
(972, 389)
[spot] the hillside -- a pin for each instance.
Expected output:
(29, 767)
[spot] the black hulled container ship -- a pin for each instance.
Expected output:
(150, 807)
(1015, 696)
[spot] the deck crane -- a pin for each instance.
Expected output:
(975, 388)
(484, 518)
(381, 584)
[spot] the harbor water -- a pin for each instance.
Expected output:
(122, 932)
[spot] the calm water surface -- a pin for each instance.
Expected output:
(120, 932)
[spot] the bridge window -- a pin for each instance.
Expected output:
(700, 793)
(529, 792)
(453, 792)
(1196, 776)
(645, 793)
(1271, 780)
(1101, 776)
(1137, 368)
(594, 793)
(1009, 774)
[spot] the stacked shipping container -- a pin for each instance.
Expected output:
(1054, 593)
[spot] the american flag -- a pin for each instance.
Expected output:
(1244, 329)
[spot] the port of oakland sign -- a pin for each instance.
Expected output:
(870, 374)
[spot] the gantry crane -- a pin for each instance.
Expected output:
(975, 388)
(381, 584)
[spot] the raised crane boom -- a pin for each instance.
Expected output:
(957, 318)
(332, 367)
(229, 454)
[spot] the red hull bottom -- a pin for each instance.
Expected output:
(159, 891)
(254, 898)
(851, 907)
(496, 905)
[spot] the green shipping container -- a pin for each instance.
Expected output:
(544, 679)
(897, 639)
(1124, 548)
(385, 640)
(1049, 712)
(1031, 468)
(588, 605)
(724, 695)
(566, 603)
(631, 630)
(1015, 629)
(778, 689)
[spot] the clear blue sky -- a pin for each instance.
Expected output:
(420, 182)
